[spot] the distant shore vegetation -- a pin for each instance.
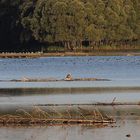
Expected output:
(68, 25)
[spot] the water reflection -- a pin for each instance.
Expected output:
(75, 98)
(117, 112)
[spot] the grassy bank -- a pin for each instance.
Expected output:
(84, 51)
(96, 53)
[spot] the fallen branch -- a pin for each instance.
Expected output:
(40, 117)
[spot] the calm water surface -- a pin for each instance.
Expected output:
(84, 98)
(122, 70)
(74, 132)
(127, 123)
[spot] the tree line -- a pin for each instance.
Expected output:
(72, 24)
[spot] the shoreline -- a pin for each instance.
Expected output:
(64, 54)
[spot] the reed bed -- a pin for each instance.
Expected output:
(54, 116)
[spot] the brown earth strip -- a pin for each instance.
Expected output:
(96, 53)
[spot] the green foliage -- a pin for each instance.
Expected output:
(70, 22)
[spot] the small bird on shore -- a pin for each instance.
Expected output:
(68, 77)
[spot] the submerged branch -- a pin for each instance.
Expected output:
(39, 117)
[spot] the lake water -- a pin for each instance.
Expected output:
(72, 133)
(126, 124)
(122, 71)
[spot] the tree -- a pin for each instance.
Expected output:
(8, 24)
(68, 22)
